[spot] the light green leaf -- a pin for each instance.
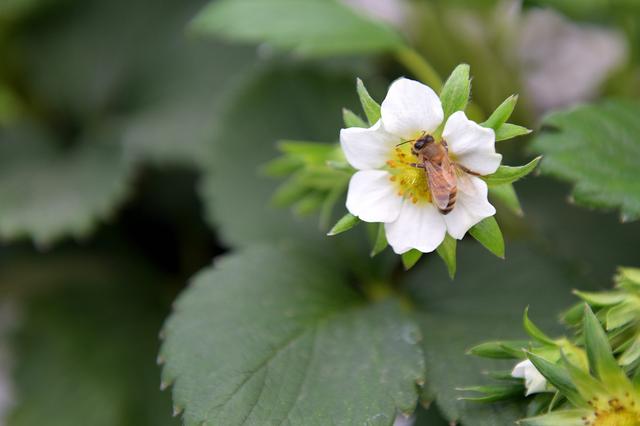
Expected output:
(596, 147)
(622, 314)
(456, 91)
(510, 131)
(506, 194)
(457, 317)
(502, 113)
(601, 299)
(558, 377)
(369, 105)
(501, 349)
(447, 252)
(312, 27)
(351, 119)
(601, 360)
(488, 233)
(47, 192)
(410, 258)
(269, 319)
(509, 174)
(558, 418)
(381, 241)
(345, 223)
(533, 330)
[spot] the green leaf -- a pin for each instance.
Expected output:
(510, 131)
(345, 223)
(596, 148)
(601, 360)
(558, 418)
(312, 27)
(506, 194)
(501, 349)
(410, 258)
(85, 345)
(486, 303)
(351, 119)
(47, 192)
(558, 377)
(533, 331)
(268, 319)
(370, 107)
(488, 233)
(607, 298)
(447, 252)
(494, 393)
(241, 212)
(456, 91)
(509, 174)
(381, 241)
(501, 114)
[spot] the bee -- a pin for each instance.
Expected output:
(441, 172)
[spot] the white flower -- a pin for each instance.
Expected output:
(533, 380)
(388, 188)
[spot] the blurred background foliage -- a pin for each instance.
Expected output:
(131, 149)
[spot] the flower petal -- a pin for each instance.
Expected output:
(471, 206)
(373, 197)
(410, 108)
(473, 145)
(419, 226)
(367, 148)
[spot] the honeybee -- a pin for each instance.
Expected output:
(441, 172)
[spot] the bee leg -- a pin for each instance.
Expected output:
(468, 171)
(416, 165)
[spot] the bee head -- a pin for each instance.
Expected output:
(422, 142)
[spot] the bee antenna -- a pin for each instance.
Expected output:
(403, 142)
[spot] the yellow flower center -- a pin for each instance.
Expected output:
(615, 413)
(411, 181)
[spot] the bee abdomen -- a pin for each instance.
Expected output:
(452, 202)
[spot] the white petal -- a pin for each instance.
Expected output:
(471, 206)
(367, 148)
(419, 226)
(373, 197)
(473, 145)
(520, 368)
(533, 380)
(411, 108)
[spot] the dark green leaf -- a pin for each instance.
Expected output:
(501, 349)
(506, 194)
(447, 252)
(345, 223)
(494, 393)
(456, 91)
(370, 107)
(381, 241)
(269, 319)
(489, 235)
(596, 148)
(509, 174)
(312, 27)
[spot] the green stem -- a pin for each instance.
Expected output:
(419, 67)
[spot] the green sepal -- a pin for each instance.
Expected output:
(506, 194)
(282, 166)
(488, 233)
(500, 349)
(308, 204)
(370, 107)
(573, 315)
(351, 119)
(380, 242)
(455, 93)
(493, 393)
(558, 418)
(601, 359)
(558, 377)
(587, 385)
(533, 330)
(607, 298)
(622, 314)
(510, 131)
(447, 252)
(631, 354)
(502, 113)
(509, 174)
(410, 258)
(345, 223)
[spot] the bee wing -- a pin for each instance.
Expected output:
(442, 180)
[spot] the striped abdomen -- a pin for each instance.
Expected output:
(452, 201)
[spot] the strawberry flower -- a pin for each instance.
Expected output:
(391, 187)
